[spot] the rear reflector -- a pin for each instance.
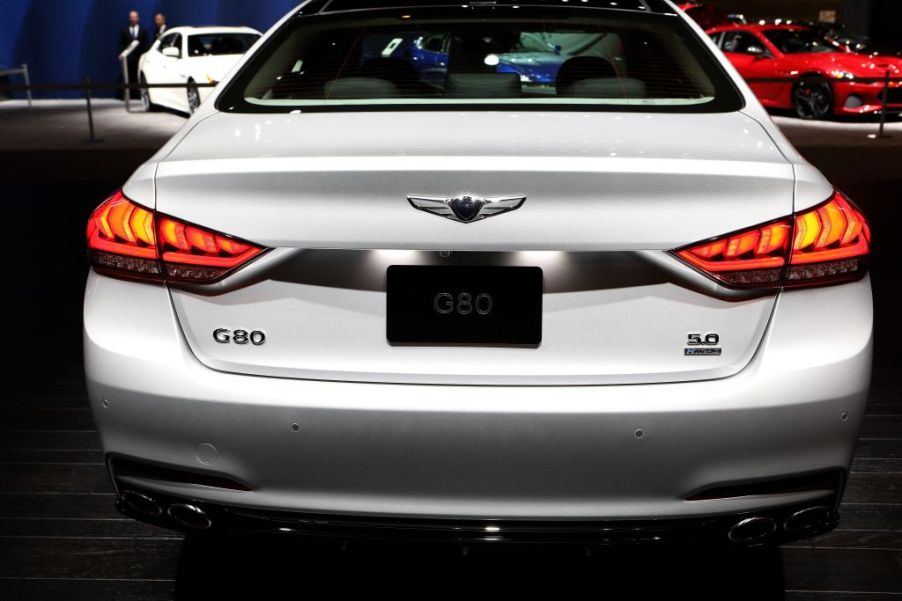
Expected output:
(827, 244)
(128, 240)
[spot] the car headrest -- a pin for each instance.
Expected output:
(467, 51)
(360, 87)
(395, 70)
(583, 67)
(483, 85)
(605, 87)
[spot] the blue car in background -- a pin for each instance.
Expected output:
(534, 59)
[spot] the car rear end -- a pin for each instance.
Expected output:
(616, 307)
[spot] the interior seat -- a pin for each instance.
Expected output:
(360, 87)
(471, 76)
(595, 77)
(583, 67)
(483, 85)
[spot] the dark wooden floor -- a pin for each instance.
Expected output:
(60, 537)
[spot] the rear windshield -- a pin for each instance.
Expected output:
(430, 58)
(214, 44)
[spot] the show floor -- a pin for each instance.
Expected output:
(63, 124)
(51, 142)
(60, 537)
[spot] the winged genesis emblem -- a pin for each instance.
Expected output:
(467, 208)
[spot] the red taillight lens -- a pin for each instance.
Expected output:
(752, 257)
(193, 253)
(128, 240)
(825, 244)
(831, 241)
(122, 238)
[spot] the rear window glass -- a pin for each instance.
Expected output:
(434, 58)
(214, 44)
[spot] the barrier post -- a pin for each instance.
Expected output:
(884, 98)
(127, 95)
(92, 139)
(27, 83)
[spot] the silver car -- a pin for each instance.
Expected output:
(351, 299)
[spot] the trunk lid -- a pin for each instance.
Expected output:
(607, 194)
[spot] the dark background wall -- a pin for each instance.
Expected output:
(886, 22)
(64, 41)
(783, 9)
(880, 19)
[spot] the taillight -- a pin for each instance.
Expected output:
(830, 241)
(122, 238)
(752, 257)
(128, 240)
(826, 244)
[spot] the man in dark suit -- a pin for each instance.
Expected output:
(133, 33)
(160, 27)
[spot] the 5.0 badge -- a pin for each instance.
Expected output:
(703, 344)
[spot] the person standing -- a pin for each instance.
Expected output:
(133, 33)
(159, 21)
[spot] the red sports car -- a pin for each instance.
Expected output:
(822, 79)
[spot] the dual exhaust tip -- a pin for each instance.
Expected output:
(759, 529)
(184, 514)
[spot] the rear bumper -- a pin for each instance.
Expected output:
(621, 455)
(775, 525)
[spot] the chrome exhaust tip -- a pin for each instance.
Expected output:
(752, 530)
(141, 503)
(807, 519)
(189, 516)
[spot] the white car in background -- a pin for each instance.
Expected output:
(191, 55)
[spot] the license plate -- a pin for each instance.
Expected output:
(492, 306)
